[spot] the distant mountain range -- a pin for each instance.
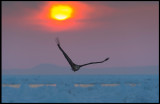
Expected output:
(54, 69)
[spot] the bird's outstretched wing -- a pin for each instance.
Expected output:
(95, 62)
(65, 55)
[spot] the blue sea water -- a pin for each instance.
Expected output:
(80, 88)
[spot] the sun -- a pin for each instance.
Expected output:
(61, 12)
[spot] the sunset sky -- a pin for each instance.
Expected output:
(127, 32)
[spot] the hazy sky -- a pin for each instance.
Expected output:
(127, 32)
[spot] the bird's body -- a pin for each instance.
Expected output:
(74, 66)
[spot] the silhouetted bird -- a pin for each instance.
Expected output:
(74, 66)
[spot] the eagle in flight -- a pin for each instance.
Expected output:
(74, 66)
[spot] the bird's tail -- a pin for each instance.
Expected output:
(57, 41)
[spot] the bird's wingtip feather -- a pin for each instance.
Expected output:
(107, 59)
(57, 40)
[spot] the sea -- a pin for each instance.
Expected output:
(80, 89)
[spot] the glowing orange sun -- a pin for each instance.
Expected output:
(61, 12)
(62, 15)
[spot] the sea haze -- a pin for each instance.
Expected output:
(54, 69)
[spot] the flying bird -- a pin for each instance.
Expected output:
(74, 66)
